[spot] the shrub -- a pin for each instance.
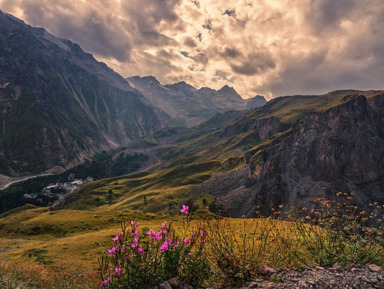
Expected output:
(139, 261)
(238, 249)
(335, 232)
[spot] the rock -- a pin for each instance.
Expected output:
(165, 285)
(375, 268)
(174, 282)
(267, 271)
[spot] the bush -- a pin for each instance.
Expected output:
(239, 249)
(139, 261)
(335, 232)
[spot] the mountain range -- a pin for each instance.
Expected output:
(59, 105)
(190, 106)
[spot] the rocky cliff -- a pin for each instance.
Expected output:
(337, 147)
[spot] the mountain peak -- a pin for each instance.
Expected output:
(181, 85)
(145, 79)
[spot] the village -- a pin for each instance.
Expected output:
(54, 193)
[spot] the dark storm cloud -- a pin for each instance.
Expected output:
(231, 52)
(188, 41)
(269, 47)
(328, 14)
(95, 24)
(254, 63)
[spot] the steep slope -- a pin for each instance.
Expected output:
(338, 147)
(228, 180)
(58, 104)
(191, 106)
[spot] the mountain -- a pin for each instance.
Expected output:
(190, 106)
(256, 101)
(290, 151)
(336, 147)
(59, 105)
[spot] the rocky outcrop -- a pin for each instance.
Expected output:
(338, 147)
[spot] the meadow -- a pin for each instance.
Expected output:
(45, 248)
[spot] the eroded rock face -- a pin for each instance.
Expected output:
(339, 149)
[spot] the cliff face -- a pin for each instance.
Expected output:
(59, 105)
(336, 148)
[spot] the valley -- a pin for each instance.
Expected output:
(234, 187)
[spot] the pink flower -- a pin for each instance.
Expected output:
(164, 224)
(134, 245)
(112, 251)
(139, 251)
(157, 236)
(123, 249)
(105, 282)
(185, 210)
(136, 234)
(177, 245)
(201, 233)
(117, 271)
(151, 232)
(117, 237)
(164, 247)
(132, 223)
(169, 241)
(187, 241)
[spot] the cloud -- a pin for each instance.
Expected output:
(265, 47)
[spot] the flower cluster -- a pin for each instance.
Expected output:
(139, 260)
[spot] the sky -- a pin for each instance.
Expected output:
(265, 47)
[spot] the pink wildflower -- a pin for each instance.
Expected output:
(105, 282)
(123, 249)
(177, 245)
(132, 223)
(169, 241)
(187, 241)
(164, 224)
(157, 236)
(164, 247)
(117, 237)
(112, 251)
(136, 234)
(117, 271)
(150, 232)
(139, 251)
(134, 245)
(185, 210)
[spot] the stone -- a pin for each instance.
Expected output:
(165, 285)
(267, 271)
(375, 268)
(174, 282)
